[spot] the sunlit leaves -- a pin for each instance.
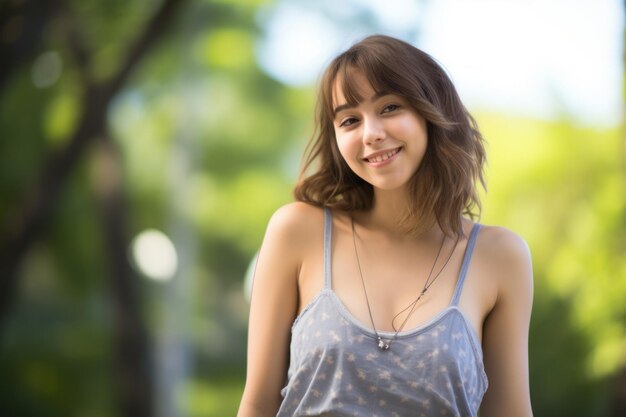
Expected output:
(560, 187)
(227, 48)
(60, 118)
(246, 204)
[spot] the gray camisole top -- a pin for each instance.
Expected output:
(336, 368)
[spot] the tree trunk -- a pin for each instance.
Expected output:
(28, 220)
(133, 357)
(132, 373)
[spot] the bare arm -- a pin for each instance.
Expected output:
(505, 339)
(272, 311)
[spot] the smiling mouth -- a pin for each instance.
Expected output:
(383, 157)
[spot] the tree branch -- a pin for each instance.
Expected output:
(36, 209)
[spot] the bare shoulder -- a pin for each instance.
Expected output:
(297, 218)
(295, 224)
(506, 256)
(285, 247)
(504, 244)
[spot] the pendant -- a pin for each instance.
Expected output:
(382, 345)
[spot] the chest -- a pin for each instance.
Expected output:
(327, 340)
(379, 283)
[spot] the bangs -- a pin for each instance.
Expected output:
(346, 82)
(388, 71)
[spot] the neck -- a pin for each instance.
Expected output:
(387, 213)
(389, 208)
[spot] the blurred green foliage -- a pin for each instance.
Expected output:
(561, 186)
(210, 148)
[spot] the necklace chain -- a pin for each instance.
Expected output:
(386, 344)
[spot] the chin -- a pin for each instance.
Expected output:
(390, 187)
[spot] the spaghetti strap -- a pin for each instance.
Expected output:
(328, 231)
(465, 265)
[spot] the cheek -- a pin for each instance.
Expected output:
(414, 131)
(348, 153)
(408, 126)
(345, 145)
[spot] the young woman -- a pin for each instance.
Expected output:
(375, 294)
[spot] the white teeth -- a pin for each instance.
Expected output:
(383, 157)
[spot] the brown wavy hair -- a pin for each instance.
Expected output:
(445, 186)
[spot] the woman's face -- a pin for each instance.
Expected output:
(382, 139)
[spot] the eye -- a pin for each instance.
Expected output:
(348, 122)
(390, 107)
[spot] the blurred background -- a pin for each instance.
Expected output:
(144, 145)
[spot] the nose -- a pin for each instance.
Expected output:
(373, 130)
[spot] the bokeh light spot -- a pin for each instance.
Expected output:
(154, 255)
(47, 69)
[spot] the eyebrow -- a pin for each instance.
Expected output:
(345, 106)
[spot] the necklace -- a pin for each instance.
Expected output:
(386, 344)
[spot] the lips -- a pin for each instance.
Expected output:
(382, 156)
